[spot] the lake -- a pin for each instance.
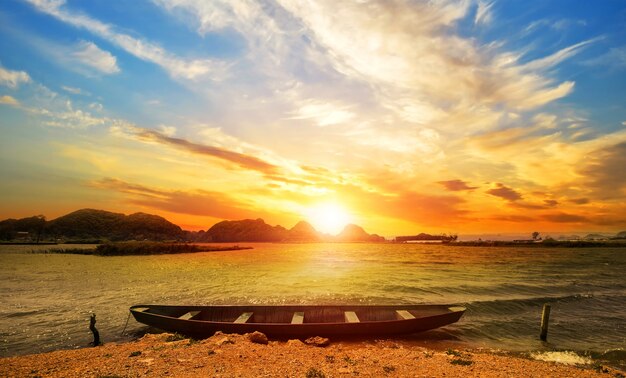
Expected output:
(47, 298)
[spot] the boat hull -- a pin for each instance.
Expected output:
(318, 320)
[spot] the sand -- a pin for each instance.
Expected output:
(166, 355)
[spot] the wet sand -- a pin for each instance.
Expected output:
(236, 356)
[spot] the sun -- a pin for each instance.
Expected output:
(328, 217)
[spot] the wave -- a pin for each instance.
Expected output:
(563, 357)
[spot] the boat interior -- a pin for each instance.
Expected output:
(296, 314)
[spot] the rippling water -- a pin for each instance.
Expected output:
(47, 298)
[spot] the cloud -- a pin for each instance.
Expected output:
(483, 13)
(240, 159)
(8, 100)
(142, 49)
(603, 170)
(579, 201)
(505, 192)
(89, 54)
(615, 58)
(72, 90)
(551, 203)
(456, 185)
(198, 202)
(13, 79)
(565, 218)
(324, 114)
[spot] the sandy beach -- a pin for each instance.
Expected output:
(237, 356)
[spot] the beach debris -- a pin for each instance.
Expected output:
(317, 341)
(295, 342)
(257, 337)
(224, 340)
(92, 327)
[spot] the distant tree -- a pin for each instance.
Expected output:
(535, 235)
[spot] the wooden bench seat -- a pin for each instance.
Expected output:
(189, 316)
(350, 317)
(243, 318)
(298, 318)
(404, 314)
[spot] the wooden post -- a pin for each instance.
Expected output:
(545, 318)
(92, 328)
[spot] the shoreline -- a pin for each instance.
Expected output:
(236, 355)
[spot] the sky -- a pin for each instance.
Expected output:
(468, 116)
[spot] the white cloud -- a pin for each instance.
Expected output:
(12, 79)
(323, 113)
(72, 90)
(142, 49)
(483, 13)
(89, 54)
(8, 100)
(167, 130)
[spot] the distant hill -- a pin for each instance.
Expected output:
(354, 233)
(620, 235)
(92, 224)
(247, 230)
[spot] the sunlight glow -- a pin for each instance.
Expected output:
(328, 217)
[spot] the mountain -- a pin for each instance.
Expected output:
(247, 230)
(94, 224)
(354, 233)
(304, 232)
(620, 235)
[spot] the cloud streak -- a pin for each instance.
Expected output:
(142, 49)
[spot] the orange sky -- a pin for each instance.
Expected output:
(450, 116)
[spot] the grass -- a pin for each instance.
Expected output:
(461, 362)
(315, 373)
(142, 248)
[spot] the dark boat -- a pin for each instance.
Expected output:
(298, 321)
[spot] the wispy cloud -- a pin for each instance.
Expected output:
(456, 185)
(505, 192)
(13, 79)
(89, 54)
(483, 12)
(72, 90)
(8, 100)
(142, 49)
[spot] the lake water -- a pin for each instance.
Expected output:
(47, 298)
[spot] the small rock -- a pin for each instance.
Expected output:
(258, 337)
(317, 341)
(224, 340)
(294, 342)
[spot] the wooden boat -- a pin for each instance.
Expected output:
(297, 321)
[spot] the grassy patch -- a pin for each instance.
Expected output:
(389, 369)
(461, 362)
(175, 337)
(315, 373)
(455, 353)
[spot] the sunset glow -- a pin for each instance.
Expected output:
(328, 218)
(464, 116)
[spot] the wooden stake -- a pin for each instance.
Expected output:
(545, 318)
(92, 328)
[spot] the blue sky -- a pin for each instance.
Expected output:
(444, 116)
